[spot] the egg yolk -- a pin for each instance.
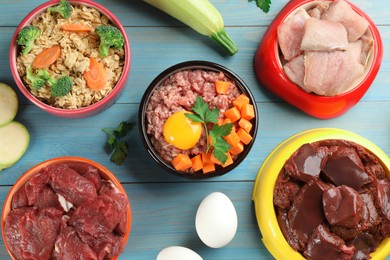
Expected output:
(181, 132)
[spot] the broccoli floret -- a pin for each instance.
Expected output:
(63, 8)
(110, 36)
(60, 87)
(37, 80)
(26, 37)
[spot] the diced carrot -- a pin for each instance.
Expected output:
(182, 162)
(197, 163)
(75, 27)
(222, 87)
(206, 157)
(227, 121)
(229, 160)
(220, 121)
(240, 101)
(237, 148)
(208, 167)
(245, 124)
(247, 112)
(233, 114)
(232, 138)
(215, 160)
(245, 137)
(96, 76)
(47, 57)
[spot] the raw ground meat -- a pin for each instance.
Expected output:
(40, 227)
(332, 201)
(178, 92)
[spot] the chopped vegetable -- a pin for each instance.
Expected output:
(200, 15)
(208, 167)
(204, 115)
(26, 37)
(233, 139)
(197, 163)
(110, 36)
(118, 149)
(73, 27)
(182, 162)
(47, 57)
(233, 114)
(237, 149)
(245, 124)
(63, 8)
(263, 4)
(14, 141)
(60, 87)
(222, 87)
(244, 136)
(37, 80)
(8, 104)
(240, 101)
(96, 76)
(248, 112)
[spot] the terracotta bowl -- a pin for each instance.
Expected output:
(269, 69)
(104, 173)
(84, 111)
(190, 65)
(263, 190)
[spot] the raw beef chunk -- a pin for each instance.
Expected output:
(323, 245)
(87, 171)
(71, 185)
(343, 206)
(31, 232)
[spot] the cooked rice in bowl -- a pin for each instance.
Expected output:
(76, 50)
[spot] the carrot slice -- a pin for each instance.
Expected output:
(245, 124)
(95, 77)
(47, 57)
(247, 111)
(215, 160)
(197, 163)
(208, 167)
(182, 162)
(229, 160)
(222, 87)
(244, 136)
(240, 101)
(233, 114)
(232, 138)
(73, 27)
(206, 157)
(239, 148)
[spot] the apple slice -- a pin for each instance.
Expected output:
(14, 140)
(8, 104)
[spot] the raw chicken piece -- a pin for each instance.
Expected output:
(295, 70)
(290, 34)
(330, 73)
(317, 11)
(321, 35)
(340, 11)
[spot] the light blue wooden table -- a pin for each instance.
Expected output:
(164, 206)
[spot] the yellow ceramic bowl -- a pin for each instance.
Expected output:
(263, 190)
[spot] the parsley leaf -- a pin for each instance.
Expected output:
(204, 115)
(263, 4)
(118, 149)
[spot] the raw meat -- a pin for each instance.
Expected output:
(317, 11)
(322, 35)
(295, 70)
(290, 34)
(340, 11)
(330, 73)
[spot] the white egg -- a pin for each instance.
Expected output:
(178, 253)
(216, 220)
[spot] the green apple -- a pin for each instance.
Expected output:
(8, 104)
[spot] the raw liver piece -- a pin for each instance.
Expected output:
(330, 73)
(340, 11)
(306, 212)
(290, 34)
(305, 163)
(364, 244)
(30, 233)
(323, 245)
(383, 197)
(295, 70)
(71, 185)
(343, 206)
(68, 245)
(344, 167)
(284, 193)
(322, 35)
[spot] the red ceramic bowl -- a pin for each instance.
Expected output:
(85, 111)
(269, 70)
(104, 173)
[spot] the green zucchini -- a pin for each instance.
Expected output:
(200, 15)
